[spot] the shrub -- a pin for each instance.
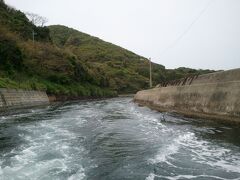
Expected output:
(10, 55)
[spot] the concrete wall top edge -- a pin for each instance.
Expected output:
(18, 90)
(221, 76)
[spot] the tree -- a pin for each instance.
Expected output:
(36, 19)
(10, 54)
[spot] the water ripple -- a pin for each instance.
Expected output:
(115, 139)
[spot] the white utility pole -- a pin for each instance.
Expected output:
(150, 73)
(33, 36)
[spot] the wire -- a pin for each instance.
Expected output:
(188, 28)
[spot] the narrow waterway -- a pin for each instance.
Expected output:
(115, 139)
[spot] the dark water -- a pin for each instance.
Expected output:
(115, 139)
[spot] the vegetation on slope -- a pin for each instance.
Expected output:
(118, 68)
(40, 66)
(64, 61)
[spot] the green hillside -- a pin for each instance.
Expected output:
(112, 66)
(122, 70)
(66, 62)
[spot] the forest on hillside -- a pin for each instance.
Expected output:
(64, 61)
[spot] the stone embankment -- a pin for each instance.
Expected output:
(12, 99)
(213, 96)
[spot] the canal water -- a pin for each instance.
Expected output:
(115, 139)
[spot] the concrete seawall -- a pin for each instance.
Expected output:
(11, 99)
(212, 96)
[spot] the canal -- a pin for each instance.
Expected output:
(115, 139)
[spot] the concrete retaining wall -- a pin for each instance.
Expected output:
(221, 76)
(11, 98)
(211, 96)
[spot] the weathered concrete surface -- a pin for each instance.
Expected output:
(218, 77)
(221, 76)
(212, 96)
(11, 99)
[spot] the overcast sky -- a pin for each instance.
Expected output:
(191, 33)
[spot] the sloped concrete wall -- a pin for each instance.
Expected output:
(11, 98)
(221, 76)
(213, 96)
